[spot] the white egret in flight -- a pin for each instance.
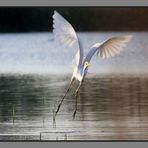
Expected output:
(65, 34)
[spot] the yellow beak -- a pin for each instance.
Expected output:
(89, 65)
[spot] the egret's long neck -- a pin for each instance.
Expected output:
(83, 71)
(80, 53)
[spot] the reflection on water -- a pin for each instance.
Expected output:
(109, 108)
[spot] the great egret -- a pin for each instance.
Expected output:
(65, 34)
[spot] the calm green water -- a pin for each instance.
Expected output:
(109, 108)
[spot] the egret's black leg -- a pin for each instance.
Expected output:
(76, 97)
(64, 96)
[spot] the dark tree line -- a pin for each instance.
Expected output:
(30, 19)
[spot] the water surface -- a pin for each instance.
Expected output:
(34, 75)
(109, 108)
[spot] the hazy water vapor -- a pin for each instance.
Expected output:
(37, 53)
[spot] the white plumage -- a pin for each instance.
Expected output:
(65, 34)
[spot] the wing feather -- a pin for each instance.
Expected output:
(113, 46)
(109, 48)
(65, 34)
(63, 30)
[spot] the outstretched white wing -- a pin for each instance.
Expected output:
(65, 34)
(108, 48)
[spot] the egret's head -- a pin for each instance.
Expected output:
(86, 65)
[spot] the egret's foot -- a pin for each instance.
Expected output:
(58, 109)
(76, 97)
(61, 101)
(74, 114)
